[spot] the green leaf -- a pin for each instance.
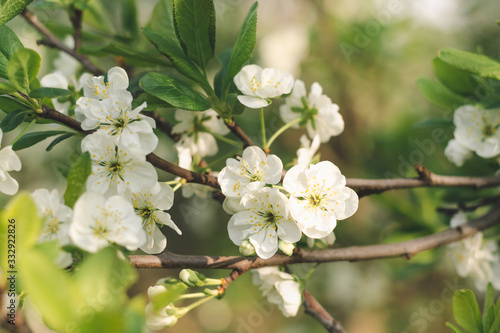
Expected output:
(50, 289)
(194, 22)
(466, 311)
(23, 68)
(32, 138)
(103, 273)
(488, 318)
(8, 104)
(162, 20)
(470, 62)
(170, 48)
(129, 18)
(9, 44)
(47, 92)
(489, 300)
(245, 43)
(454, 79)
(133, 57)
(6, 88)
(436, 93)
(11, 8)
(152, 102)
(174, 91)
(58, 140)
(219, 79)
(77, 178)
(454, 328)
(12, 120)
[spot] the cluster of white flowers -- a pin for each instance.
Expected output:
(473, 259)
(280, 288)
(476, 131)
(265, 217)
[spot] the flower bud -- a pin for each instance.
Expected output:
(192, 278)
(286, 248)
(246, 248)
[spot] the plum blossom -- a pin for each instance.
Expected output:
(115, 117)
(163, 317)
(116, 169)
(457, 153)
(280, 288)
(9, 161)
(57, 219)
(150, 205)
(252, 166)
(98, 222)
(319, 197)
(473, 258)
(196, 130)
(259, 85)
(308, 149)
(478, 130)
(264, 221)
(96, 88)
(318, 113)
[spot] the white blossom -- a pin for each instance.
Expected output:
(150, 205)
(190, 189)
(478, 130)
(457, 153)
(96, 88)
(308, 149)
(9, 161)
(471, 257)
(320, 116)
(252, 166)
(195, 129)
(158, 319)
(319, 197)
(115, 117)
(57, 219)
(116, 169)
(98, 222)
(280, 288)
(259, 85)
(264, 220)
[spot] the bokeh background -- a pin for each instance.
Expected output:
(367, 55)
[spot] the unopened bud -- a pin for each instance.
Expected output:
(246, 248)
(286, 248)
(192, 278)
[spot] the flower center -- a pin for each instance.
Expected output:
(489, 130)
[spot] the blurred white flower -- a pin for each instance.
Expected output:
(98, 222)
(9, 161)
(57, 219)
(150, 205)
(259, 85)
(471, 257)
(195, 129)
(265, 220)
(319, 197)
(115, 117)
(308, 149)
(478, 130)
(116, 169)
(253, 166)
(280, 288)
(59, 80)
(320, 116)
(158, 319)
(457, 153)
(65, 63)
(190, 189)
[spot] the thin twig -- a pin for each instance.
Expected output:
(52, 41)
(316, 310)
(405, 249)
(238, 131)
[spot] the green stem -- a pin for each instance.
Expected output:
(173, 182)
(23, 131)
(221, 159)
(281, 130)
(176, 187)
(226, 140)
(263, 127)
(193, 295)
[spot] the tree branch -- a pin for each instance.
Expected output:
(316, 310)
(238, 131)
(405, 249)
(76, 16)
(52, 41)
